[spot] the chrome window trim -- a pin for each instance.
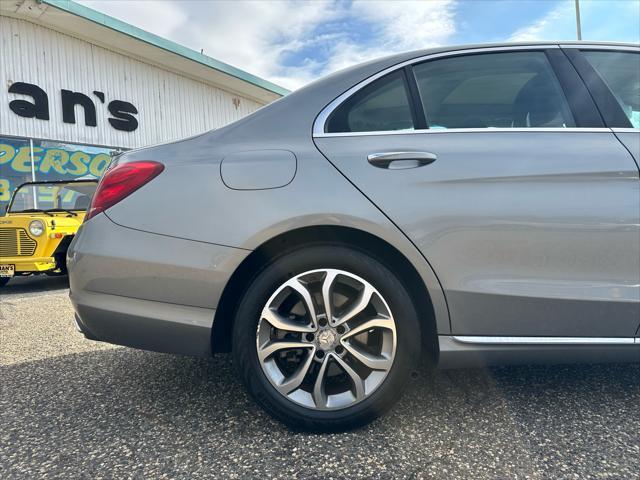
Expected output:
(625, 130)
(488, 340)
(435, 131)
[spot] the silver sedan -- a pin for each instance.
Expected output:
(471, 205)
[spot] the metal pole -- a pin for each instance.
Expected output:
(578, 27)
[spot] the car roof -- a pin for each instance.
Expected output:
(383, 63)
(452, 48)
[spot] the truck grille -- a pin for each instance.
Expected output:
(14, 242)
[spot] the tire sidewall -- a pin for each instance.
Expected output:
(291, 265)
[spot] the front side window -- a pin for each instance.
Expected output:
(494, 90)
(382, 105)
(621, 72)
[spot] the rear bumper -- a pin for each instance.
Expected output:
(145, 290)
(30, 264)
(144, 324)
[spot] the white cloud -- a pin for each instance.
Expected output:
(262, 36)
(602, 20)
(552, 26)
(409, 23)
(255, 36)
(400, 26)
(259, 35)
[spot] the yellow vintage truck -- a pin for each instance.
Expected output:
(38, 225)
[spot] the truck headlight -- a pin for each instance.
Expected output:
(36, 228)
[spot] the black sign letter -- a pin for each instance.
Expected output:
(123, 111)
(40, 106)
(70, 100)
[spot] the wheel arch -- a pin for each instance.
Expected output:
(361, 240)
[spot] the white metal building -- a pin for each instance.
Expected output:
(76, 84)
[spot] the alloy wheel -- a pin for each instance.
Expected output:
(326, 339)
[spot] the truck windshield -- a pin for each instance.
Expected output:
(58, 196)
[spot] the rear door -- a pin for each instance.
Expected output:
(499, 168)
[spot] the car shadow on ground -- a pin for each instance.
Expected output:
(123, 412)
(35, 284)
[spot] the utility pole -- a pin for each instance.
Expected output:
(578, 27)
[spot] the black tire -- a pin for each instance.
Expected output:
(257, 295)
(4, 281)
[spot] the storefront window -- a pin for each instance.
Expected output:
(15, 167)
(43, 160)
(64, 161)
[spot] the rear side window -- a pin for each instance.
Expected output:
(380, 106)
(494, 90)
(621, 72)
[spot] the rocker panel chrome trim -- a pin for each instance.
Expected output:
(546, 340)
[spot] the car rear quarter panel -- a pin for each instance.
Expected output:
(190, 201)
(111, 259)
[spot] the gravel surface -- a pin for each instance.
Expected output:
(71, 408)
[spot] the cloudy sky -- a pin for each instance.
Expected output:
(292, 42)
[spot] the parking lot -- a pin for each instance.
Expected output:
(74, 408)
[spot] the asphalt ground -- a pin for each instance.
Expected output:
(72, 408)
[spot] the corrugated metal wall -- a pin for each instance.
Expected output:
(170, 106)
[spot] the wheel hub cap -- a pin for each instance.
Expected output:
(326, 339)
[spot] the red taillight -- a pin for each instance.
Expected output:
(120, 182)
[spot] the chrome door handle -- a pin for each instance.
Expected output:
(399, 160)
